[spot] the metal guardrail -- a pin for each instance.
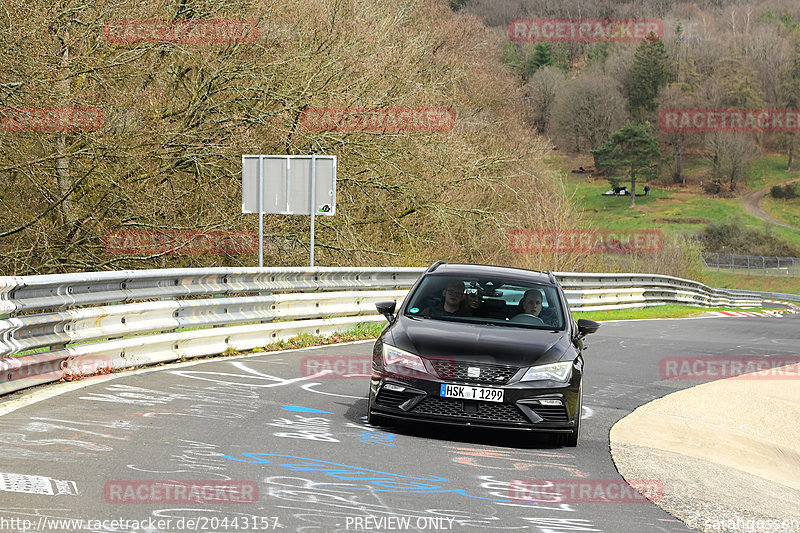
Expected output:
(771, 295)
(36, 293)
(599, 292)
(752, 264)
(29, 332)
(269, 304)
(103, 320)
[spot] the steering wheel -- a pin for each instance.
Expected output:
(527, 318)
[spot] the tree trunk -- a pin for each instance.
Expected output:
(678, 176)
(63, 178)
(715, 163)
(791, 152)
(633, 191)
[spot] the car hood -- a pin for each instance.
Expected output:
(480, 343)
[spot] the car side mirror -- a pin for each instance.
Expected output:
(586, 327)
(387, 310)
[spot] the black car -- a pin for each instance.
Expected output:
(481, 346)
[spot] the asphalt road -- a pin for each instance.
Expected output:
(297, 446)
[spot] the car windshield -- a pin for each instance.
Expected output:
(488, 301)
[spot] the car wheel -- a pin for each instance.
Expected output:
(571, 439)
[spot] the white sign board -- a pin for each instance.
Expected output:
(287, 184)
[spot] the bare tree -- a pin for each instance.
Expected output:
(543, 87)
(732, 155)
(769, 56)
(678, 96)
(178, 116)
(587, 111)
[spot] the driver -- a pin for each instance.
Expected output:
(531, 304)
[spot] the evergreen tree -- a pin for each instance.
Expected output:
(632, 148)
(789, 21)
(598, 53)
(651, 71)
(542, 56)
(739, 83)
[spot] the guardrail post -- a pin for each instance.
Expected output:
(763, 267)
(748, 265)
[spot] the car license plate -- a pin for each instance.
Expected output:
(471, 393)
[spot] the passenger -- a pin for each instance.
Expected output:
(452, 302)
(475, 301)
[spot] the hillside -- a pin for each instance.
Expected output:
(176, 118)
(156, 169)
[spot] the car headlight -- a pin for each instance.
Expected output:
(402, 362)
(554, 371)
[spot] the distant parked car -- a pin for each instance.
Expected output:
(482, 346)
(617, 191)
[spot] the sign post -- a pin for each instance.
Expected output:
(260, 212)
(313, 202)
(288, 185)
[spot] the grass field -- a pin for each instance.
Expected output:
(769, 170)
(722, 280)
(784, 210)
(673, 208)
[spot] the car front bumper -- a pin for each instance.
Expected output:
(420, 401)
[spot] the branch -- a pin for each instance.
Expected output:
(52, 206)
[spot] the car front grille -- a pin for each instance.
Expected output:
(485, 411)
(554, 413)
(458, 371)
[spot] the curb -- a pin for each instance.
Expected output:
(726, 452)
(771, 314)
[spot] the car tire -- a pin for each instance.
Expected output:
(571, 439)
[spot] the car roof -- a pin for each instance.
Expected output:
(518, 274)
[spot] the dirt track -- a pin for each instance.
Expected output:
(752, 201)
